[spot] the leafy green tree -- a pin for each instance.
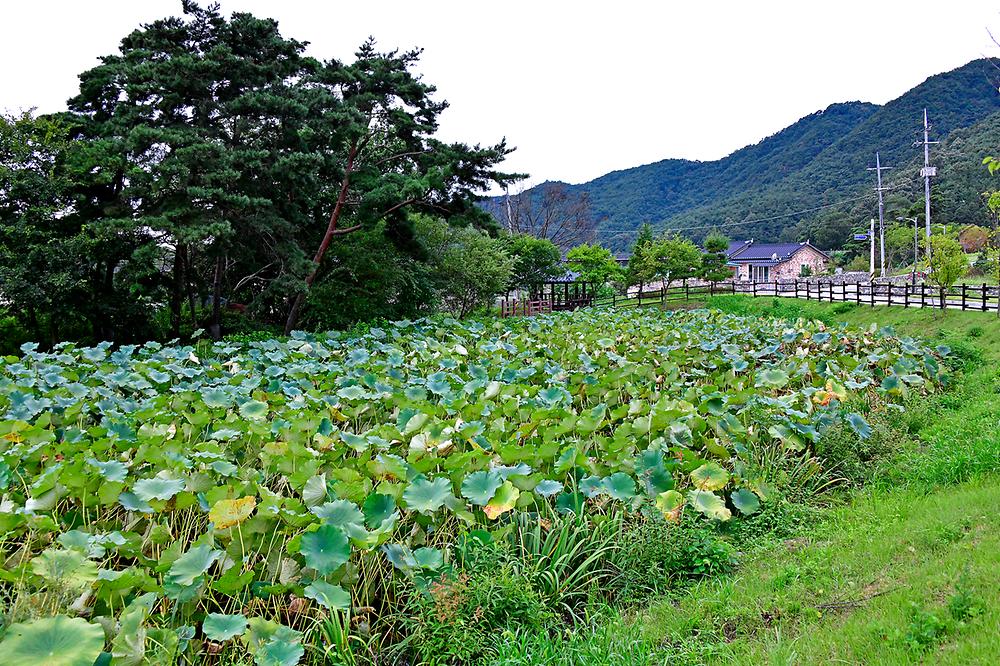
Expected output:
(948, 261)
(594, 264)
(365, 277)
(469, 268)
(535, 260)
(377, 118)
(670, 258)
(713, 261)
(61, 275)
(634, 274)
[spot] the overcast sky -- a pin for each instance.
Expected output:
(580, 88)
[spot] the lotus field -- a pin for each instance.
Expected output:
(168, 500)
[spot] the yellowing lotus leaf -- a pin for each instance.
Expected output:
(229, 512)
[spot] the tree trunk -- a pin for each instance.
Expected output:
(192, 301)
(216, 327)
(177, 292)
(331, 231)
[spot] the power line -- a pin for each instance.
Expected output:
(741, 222)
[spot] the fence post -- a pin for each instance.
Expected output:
(984, 297)
(872, 294)
(963, 297)
(687, 292)
(754, 283)
(906, 295)
(941, 298)
(922, 297)
(711, 289)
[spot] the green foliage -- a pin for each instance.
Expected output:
(657, 555)
(668, 259)
(536, 260)
(713, 262)
(566, 556)
(469, 268)
(594, 264)
(306, 468)
(457, 619)
(172, 192)
(948, 261)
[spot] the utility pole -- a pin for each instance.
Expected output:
(926, 174)
(916, 247)
(881, 210)
(871, 254)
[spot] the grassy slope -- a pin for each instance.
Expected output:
(877, 572)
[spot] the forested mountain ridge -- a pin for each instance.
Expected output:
(819, 160)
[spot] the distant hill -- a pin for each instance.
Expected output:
(819, 160)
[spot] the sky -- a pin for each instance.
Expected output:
(579, 88)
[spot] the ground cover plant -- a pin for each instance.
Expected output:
(289, 499)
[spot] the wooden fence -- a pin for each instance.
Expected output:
(978, 298)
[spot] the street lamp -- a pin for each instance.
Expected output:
(913, 273)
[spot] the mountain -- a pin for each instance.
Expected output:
(813, 168)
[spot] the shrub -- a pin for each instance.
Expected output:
(657, 554)
(456, 620)
(975, 332)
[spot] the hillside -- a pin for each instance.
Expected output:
(819, 160)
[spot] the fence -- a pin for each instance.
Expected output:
(978, 298)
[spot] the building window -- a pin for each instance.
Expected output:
(761, 273)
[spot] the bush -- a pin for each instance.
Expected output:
(656, 555)
(458, 617)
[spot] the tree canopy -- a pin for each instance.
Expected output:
(209, 166)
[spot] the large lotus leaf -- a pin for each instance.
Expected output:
(709, 504)
(216, 398)
(479, 487)
(504, 500)
(377, 509)
(219, 627)
(254, 410)
(326, 549)
(772, 378)
(157, 488)
(670, 504)
(746, 501)
(571, 503)
(620, 486)
(230, 512)
(68, 569)
(548, 487)
(328, 596)
(273, 644)
(133, 503)
(859, 425)
(427, 496)
(710, 476)
(52, 641)
(187, 568)
(339, 513)
(111, 470)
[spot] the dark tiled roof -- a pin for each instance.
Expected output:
(736, 245)
(776, 252)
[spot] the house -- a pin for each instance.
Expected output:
(770, 262)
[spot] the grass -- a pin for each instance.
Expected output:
(848, 590)
(902, 571)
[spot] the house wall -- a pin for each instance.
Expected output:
(791, 269)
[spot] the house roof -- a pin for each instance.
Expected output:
(766, 253)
